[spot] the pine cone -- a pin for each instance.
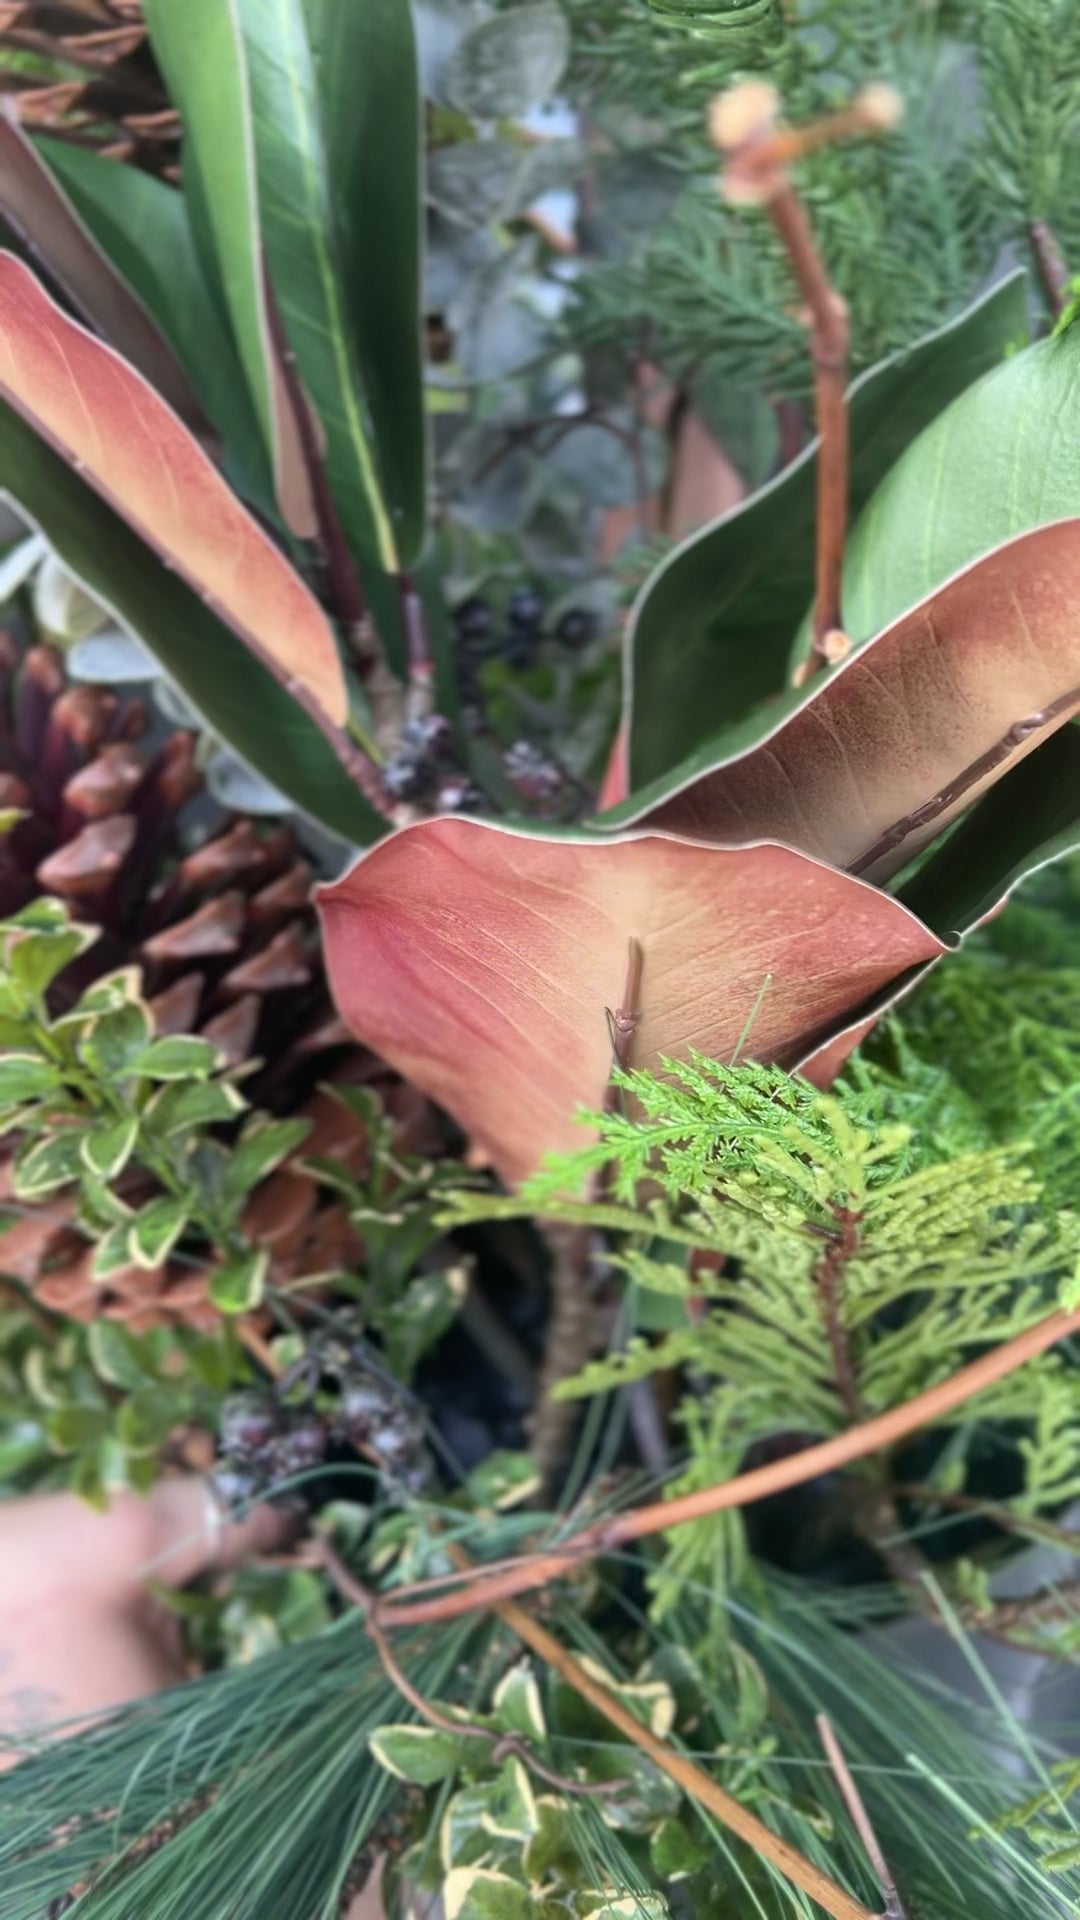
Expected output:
(224, 935)
(120, 107)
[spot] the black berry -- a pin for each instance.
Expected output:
(405, 777)
(576, 627)
(525, 609)
(475, 621)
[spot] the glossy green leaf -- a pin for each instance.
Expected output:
(35, 959)
(111, 1041)
(421, 1755)
(237, 1286)
(116, 1355)
(107, 1149)
(366, 73)
(1000, 460)
(303, 258)
(712, 632)
(144, 227)
(200, 49)
(26, 1076)
(479, 1893)
(156, 1229)
(238, 698)
(182, 1056)
(516, 1702)
(264, 1145)
(188, 1104)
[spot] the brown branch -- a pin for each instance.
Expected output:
(502, 1580)
(923, 816)
(693, 1780)
(1050, 261)
(859, 1817)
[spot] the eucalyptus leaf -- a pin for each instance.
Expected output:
(508, 63)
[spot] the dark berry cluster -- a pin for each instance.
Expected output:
(517, 637)
(265, 1440)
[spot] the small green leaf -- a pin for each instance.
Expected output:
(107, 1149)
(213, 1360)
(35, 959)
(112, 1254)
(24, 1076)
(155, 1231)
(517, 1705)
(181, 1108)
(237, 1286)
(49, 1163)
(478, 1893)
(422, 1755)
(16, 1032)
(263, 1145)
(510, 1813)
(502, 1481)
(112, 1040)
(74, 1427)
(116, 1355)
(181, 1057)
(147, 1418)
(675, 1851)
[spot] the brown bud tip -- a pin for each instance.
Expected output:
(881, 107)
(86, 864)
(744, 112)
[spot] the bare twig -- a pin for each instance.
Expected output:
(1050, 261)
(757, 157)
(502, 1580)
(859, 1817)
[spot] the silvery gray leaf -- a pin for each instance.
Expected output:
(496, 332)
(237, 786)
(112, 657)
(17, 565)
(171, 702)
(509, 63)
(62, 607)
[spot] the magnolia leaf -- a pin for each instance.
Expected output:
(369, 95)
(478, 1893)
(35, 206)
(156, 1229)
(996, 463)
(200, 50)
(711, 633)
(123, 440)
(183, 1056)
(142, 224)
(881, 755)
(508, 63)
(237, 1286)
(482, 963)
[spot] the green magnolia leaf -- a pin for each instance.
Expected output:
(508, 63)
(422, 1755)
(712, 631)
(186, 1105)
(200, 50)
(369, 95)
(107, 1149)
(239, 699)
(48, 1164)
(263, 1145)
(478, 1893)
(34, 959)
(112, 1041)
(182, 1056)
(156, 1229)
(996, 463)
(143, 225)
(516, 1703)
(25, 1076)
(237, 1286)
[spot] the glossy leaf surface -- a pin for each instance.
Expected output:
(480, 962)
(237, 696)
(126, 443)
(712, 631)
(885, 752)
(199, 47)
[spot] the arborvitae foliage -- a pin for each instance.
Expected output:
(850, 1250)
